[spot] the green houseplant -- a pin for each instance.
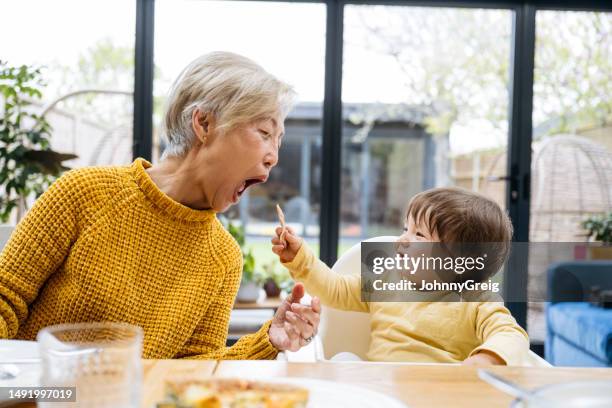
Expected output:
(599, 228)
(28, 165)
(276, 279)
(250, 283)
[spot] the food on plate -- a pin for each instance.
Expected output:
(233, 393)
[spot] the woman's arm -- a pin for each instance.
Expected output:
(37, 247)
(208, 340)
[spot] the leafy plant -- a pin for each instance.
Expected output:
(280, 276)
(248, 260)
(28, 164)
(599, 227)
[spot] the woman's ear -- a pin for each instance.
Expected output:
(201, 124)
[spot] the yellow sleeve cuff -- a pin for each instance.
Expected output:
(301, 265)
(263, 349)
(510, 347)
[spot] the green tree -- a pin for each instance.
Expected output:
(454, 61)
(455, 65)
(573, 66)
(105, 66)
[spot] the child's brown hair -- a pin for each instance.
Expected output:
(457, 215)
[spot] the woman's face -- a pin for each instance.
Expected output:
(241, 157)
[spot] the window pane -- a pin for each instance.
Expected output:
(288, 40)
(425, 94)
(82, 46)
(572, 132)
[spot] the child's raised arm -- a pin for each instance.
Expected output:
(338, 291)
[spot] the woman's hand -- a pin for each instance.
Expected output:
(294, 325)
(484, 358)
(286, 250)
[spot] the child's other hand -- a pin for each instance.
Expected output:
(292, 243)
(484, 358)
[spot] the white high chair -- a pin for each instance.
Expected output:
(350, 331)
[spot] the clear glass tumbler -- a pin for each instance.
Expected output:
(102, 360)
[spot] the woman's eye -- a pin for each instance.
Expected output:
(265, 134)
(418, 234)
(405, 229)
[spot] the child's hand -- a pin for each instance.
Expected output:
(292, 243)
(484, 358)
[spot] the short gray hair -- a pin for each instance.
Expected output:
(235, 89)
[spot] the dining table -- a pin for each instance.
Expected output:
(416, 385)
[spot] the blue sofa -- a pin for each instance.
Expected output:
(578, 333)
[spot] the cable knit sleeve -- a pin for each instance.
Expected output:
(208, 340)
(35, 250)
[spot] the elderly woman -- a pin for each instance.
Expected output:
(142, 243)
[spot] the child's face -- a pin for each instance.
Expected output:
(417, 232)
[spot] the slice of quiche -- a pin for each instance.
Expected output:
(233, 393)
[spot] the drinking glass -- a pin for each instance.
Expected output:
(102, 360)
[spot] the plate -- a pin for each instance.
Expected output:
(573, 394)
(328, 394)
(11, 350)
(17, 363)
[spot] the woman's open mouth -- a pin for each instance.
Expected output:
(246, 184)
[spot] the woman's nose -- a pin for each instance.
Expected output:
(271, 159)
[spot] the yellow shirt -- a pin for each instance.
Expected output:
(105, 244)
(435, 332)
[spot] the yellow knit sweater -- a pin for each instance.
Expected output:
(105, 244)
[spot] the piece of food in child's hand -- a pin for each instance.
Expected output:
(281, 218)
(228, 392)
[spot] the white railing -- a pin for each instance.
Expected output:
(95, 142)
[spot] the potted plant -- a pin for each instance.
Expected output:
(28, 165)
(599, 229)
(276, 279)
(250, 284)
